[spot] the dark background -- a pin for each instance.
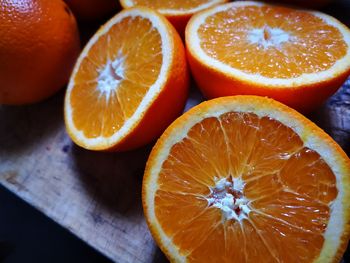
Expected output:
(26, 235)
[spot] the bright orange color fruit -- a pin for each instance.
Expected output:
(39, 44)
(297, 57)
(90, 10)
(129, 84)
(177, 11)
(247, 179)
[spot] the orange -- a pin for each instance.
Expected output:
(90, 10)
(129, 84)
(177, 11)
(38, 47)
(297, 57)
(247, 179)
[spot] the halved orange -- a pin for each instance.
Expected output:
(129, 84)
(297, 57)
(177, 11)
(247, 179)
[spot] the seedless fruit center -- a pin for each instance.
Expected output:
(227, 195)
(268, 37)
(110, 76)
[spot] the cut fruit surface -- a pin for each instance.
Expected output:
(129, 83)
(295, 56)
(177, 11)
(247, 178)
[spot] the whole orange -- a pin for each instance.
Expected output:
(39, 45)
(89, 10)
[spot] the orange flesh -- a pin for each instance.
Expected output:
(175, 4)
(312, 44)
(95, 113)
(289, 186)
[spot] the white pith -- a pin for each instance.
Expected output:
(110, 77)
(336, 224)
(153, 91)
(276, 37)
(194, 47)
(165, 11)
(222, 199)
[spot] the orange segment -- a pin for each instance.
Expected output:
(131, 60)
(276, 235)
(206, 246)
(247, 178)
(295, 56)
(321, 188)
(184, 209)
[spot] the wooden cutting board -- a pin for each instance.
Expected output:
(97, 196)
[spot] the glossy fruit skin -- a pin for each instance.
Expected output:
(178, 20)
(39, 45)
(168, 105)
(305, 99)
(90, 10)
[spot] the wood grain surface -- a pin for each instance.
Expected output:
(97, 196)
